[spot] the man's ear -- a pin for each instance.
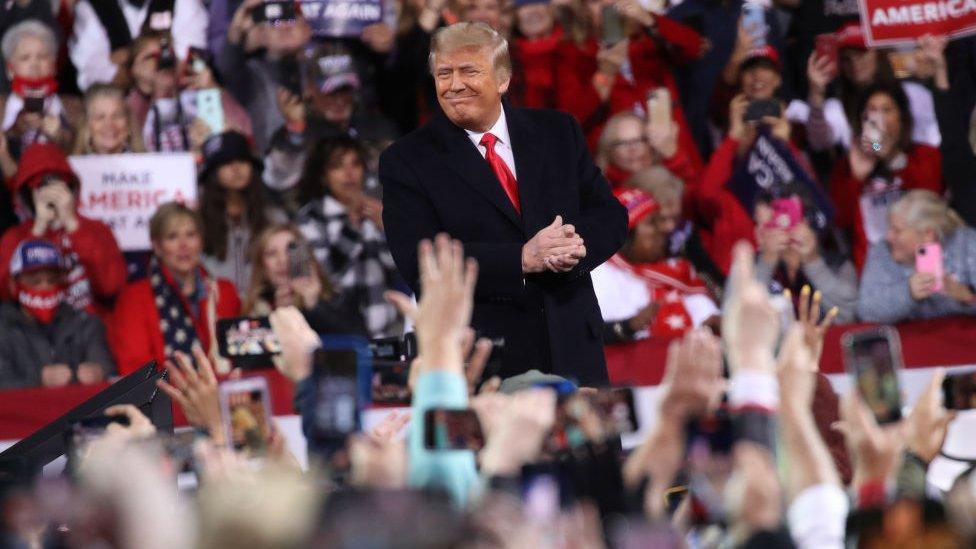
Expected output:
(503, 86)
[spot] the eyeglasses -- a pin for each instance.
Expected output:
(628, 142)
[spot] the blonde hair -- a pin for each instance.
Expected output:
(923, 210)
(164, 216)
(609, 135)
(466, 35)
(658, 182)
(83, 144)
(260, 282)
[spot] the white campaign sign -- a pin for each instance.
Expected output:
(124, 190)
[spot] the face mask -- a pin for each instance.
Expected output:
(40, 304)
(34, 87)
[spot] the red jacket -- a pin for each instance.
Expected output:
(98, 254)
(922, 171)
(135, 336)
(716, 210)
(652, 67)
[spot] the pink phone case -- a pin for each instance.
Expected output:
(787, 213)
(928, 259)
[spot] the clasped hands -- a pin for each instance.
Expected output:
(557, 248)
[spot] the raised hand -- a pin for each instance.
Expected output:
(447, 282)
(808, 317)
(875, 450)
(297, 340)
(928, 422)
(195, 391)
(750, 324)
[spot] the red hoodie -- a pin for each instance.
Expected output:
(716, 210)
(923, 170)
(99, 270)
(651, 66)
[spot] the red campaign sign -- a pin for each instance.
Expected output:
(891, 22)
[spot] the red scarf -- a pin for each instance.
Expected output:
(668, 282)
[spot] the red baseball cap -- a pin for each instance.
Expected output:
(639, 205)
(851, 36)
(767, 53)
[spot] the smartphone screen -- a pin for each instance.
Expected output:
(298, 260)
(873, 357)
(959, 391)
(337, 404)
(274, 13)
(210, 109)
(244, 337)
(611, 26)
(754, 22)
(617, 408)
(452, 429)
(390, 383)
(708, 457)
(245, 405)
(757, 110)
(928, 259)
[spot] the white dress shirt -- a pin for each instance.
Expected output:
(91, 51)
(503, 146)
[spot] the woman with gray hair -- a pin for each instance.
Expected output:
(893, 289)
(33, 112)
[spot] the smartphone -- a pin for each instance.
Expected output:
(167, 57)
(244, 336)
(210, 109)
(873, 131)
(452, 429)
(754, 22)
(197, 60)
(617, 408)
(928, 259)
(274, 13)
(298, 260)
(245, 406)
(826, 46)
(342, 373)
(611, 26)
(659, 108)
(34, 104)
(390, 383)
(873, 357)
(959, 391)
(757, 110)
(546, 490)
(787, 213)
(709, 464)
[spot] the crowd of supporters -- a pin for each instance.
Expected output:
(714, 122)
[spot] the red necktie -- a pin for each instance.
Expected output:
(505, 177)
